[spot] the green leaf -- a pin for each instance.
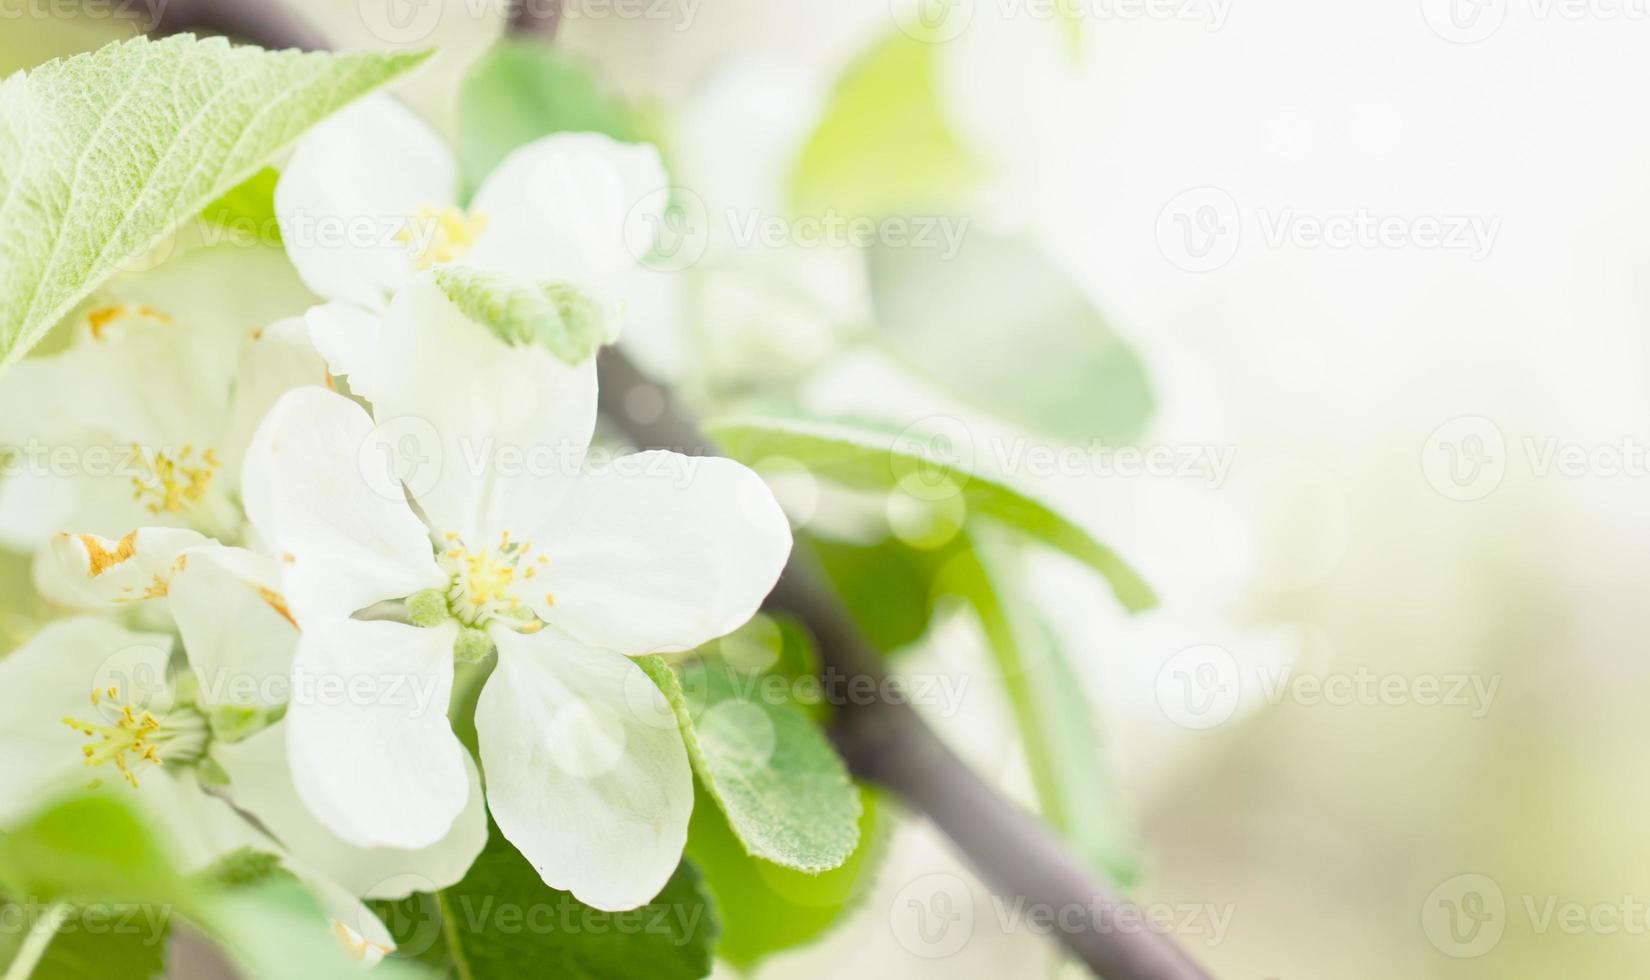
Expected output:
(502, 922)
(102, 942)
(888, 587)
(519, 92)
(248, 209)
(104, 153)
(1056, 723)
(1000, 327)
(797, 658)
(785, 791)
(276, 929)
(244, 868)
(89, 849)
(112, 879)
(552, 315)
(864, 459)
(885, 108)
(767, 908)
(778, 646)
(95, 851)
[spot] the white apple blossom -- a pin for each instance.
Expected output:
(239, 637)
(371, 197)
(86, 699)
(144, 416)
(504, 540)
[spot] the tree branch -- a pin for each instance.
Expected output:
(269, 23)
(535, 18)
(884, 741)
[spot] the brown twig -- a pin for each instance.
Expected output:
(535, 18)
(268, 23)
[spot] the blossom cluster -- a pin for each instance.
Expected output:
(267, 622)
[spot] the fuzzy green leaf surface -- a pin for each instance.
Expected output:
(555, 317)
(767, 908)
(784, 790)
(103, 154)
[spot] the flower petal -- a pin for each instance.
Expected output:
(35, 504)
(329, 511)
(373, 755)
(589, 781)
(93, 573)
(200, 826)
(85, 482)
(274, 361)
(347, 336)
(237, 630)
(261, 781)
(559, 209)
(350, 188)
(356, 927)
(176, 329)
(660, 552)
(114, 369)
(506, 422)
(87, 424)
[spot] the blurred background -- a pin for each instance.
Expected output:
(1380, 268)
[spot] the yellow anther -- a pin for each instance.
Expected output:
(438, 235)
(99, 321)
(130, 736)
(172, 483)
(486, 583)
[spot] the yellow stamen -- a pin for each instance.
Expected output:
(99, 321)
(171, 484)
(132, 736)
(486, 583)
(438, 235)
